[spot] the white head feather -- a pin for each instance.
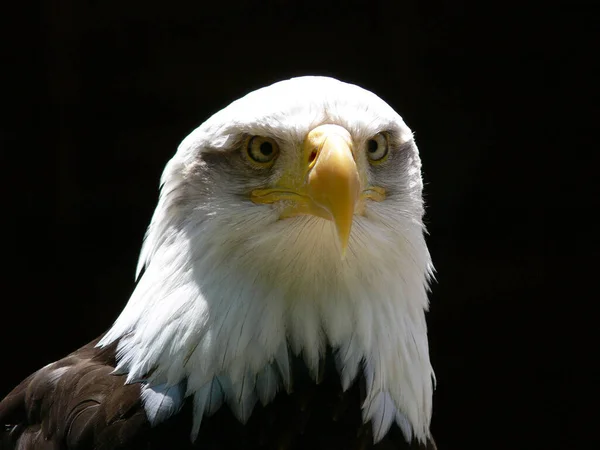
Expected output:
(228, 286)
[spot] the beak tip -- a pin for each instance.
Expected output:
(343, 258)
(343, 239)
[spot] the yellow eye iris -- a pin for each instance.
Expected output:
(377, 148)
(262, 150)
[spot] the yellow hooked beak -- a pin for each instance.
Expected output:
(326, 183)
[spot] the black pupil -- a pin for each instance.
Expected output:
(266, 148)
(372, 146)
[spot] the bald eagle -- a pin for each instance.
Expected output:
(281, 295)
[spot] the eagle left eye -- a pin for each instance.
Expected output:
(262, 150)
(377, 148)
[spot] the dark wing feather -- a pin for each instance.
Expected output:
(74, 403)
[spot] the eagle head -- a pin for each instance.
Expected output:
(288, 222)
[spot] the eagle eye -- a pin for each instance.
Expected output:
(377, 148)
(262, 150)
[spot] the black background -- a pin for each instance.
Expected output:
(99, 94)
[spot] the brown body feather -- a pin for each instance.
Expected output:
(76, 403)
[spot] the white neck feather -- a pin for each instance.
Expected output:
(219, 311)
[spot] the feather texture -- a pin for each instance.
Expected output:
(267, 384)
(76, 401)
(381, 411)
(207, 401)
(243, 397)
(347, 363)
(162, 401)
(283, 363)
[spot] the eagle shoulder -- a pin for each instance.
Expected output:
(75, 402)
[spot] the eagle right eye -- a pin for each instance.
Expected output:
(262, 150)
